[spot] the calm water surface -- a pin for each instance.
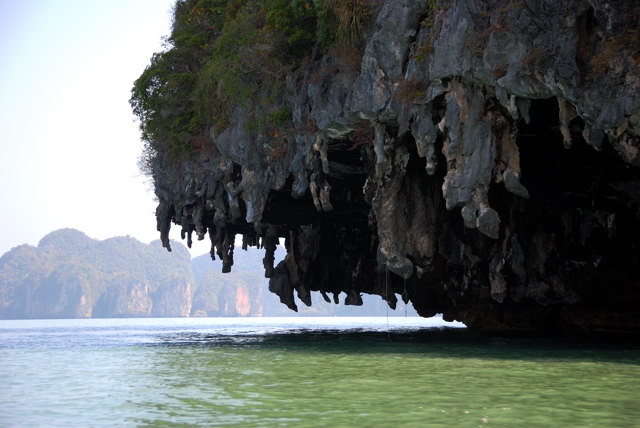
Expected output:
(285, 372)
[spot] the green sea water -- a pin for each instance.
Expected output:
(309, 373)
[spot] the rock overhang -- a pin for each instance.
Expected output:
(426, 174)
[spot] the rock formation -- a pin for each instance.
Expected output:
(69, 275)
(481, 161)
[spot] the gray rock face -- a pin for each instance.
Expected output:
(482, 162)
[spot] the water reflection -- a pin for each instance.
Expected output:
(436, 342)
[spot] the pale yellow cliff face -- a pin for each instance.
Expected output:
(186, 291)
(84, 308)
(243, 305)
(136, 301)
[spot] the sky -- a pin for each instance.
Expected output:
(69, 142)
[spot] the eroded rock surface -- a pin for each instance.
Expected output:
(482, 163)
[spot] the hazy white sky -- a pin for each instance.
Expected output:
(68, 140)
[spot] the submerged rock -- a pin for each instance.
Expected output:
(482, 162)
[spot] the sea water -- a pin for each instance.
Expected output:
(309, 372)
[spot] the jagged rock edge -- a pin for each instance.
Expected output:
(477, 132)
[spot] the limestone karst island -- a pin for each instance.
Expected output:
(478, 158)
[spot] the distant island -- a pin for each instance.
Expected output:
(70, 275)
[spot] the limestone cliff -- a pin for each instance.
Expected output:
(477, 157)
(69, 275)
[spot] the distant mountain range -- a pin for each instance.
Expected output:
(69, 275)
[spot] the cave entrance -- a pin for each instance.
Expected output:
(587, 204)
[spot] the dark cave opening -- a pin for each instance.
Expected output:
(563, 176)
(586, 203)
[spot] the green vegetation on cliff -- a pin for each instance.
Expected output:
(221, 54)
(70, 275)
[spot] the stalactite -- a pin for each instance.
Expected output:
(438, 171)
